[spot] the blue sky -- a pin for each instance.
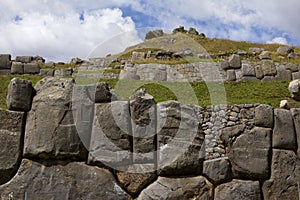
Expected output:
(62, 29)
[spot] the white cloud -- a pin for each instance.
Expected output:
(61, 34)
(278, 40)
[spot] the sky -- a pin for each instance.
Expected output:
(60, 30)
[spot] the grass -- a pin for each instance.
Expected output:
(190, 93)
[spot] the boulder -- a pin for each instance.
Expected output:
(264, 116)
(110, 142)
(235, 61)
(20, 94)
(259, 72)
(292, 55)
(284, 104)
(178, 188)
(76, 61)
(249, 154)
(143, 117)
(295, 75)
(231, 75)
(285, 50)
(5, 61)
(11, 131)
(17, 68)
(67, 181)
(248, 69)
(284, 132)
(180, 140)
(56, 138)
(293, 67)
(256, 50)
(154, 34)
(265, 55)
(24, 59)
(31, 68)
(284, 180)
(237, 190)
(63, 72)
(217, 170)
(296, 117)
(102, 93)
(268, 68)
(50, 64)
(193, 31)
(38, 59)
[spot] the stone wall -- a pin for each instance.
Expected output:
(265, 70)
(79, 142)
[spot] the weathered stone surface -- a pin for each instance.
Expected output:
(129, 72)
(137, 56)
(256, 50)
(31, 68)
(235, 61)
(293, 67)
(296, 117)
(237, 190)
(111, 132)
(67, 181)
(47, 72)
(102, 93)
(17, 68)
(228, 134)
(76, 61)
(249, 78)
(248, 162)
(284, 132)
(284, 180)
(193, 31)
(180, 139)
(231, 76)
(5, 61)
(264, 55)
(135, 182)
(11, 132)
(154, 34)
(248, 69)
(292, 55)
(294, 89)
(295, 75)
(224, 64)
(217, 170)
(283, 74)
(38, 59)
(268, 68)
(268, 78)
(178, 188)
(259, 72)
(20, 94)
(285, 50)
(284, 104)
(63, 72)
(143, 117)
(56, 138)
(24, 59)
(264, 116)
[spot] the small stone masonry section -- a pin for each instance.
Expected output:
(74, 148)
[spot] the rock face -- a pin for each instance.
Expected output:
(284, 132)
(5, 61)
(284, 176)
(71, 181)
(11, 134)
(238, 189)
(294, 88)
(217, 170)
(20, 94)
(55, 138)
(264, 116)
(248, 162)
(102, 93)
(154, 34)
(178, 188)
(180, 139)
(143, 117)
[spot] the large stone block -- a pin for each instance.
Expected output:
(50, 128)
(284, 180)
(180, 139)
(178, 188)
(293, 67)
(20, 94)
(31, 68)
(24, 59)
(5, 61)
(102, 93)
(248, 69)
(68, 181)
(284, 132)
(235, 61)
(259, 72)
(143, 117)
(47, 72)
(294, 89)
(11, 134)
(264, 116)
(283, 74)
(218, 170)
(268, 68)
(231, 76)
(296, 117)
(111, 135)
(237, 190)
(295, 75)
(249, 154)
(17, 68)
